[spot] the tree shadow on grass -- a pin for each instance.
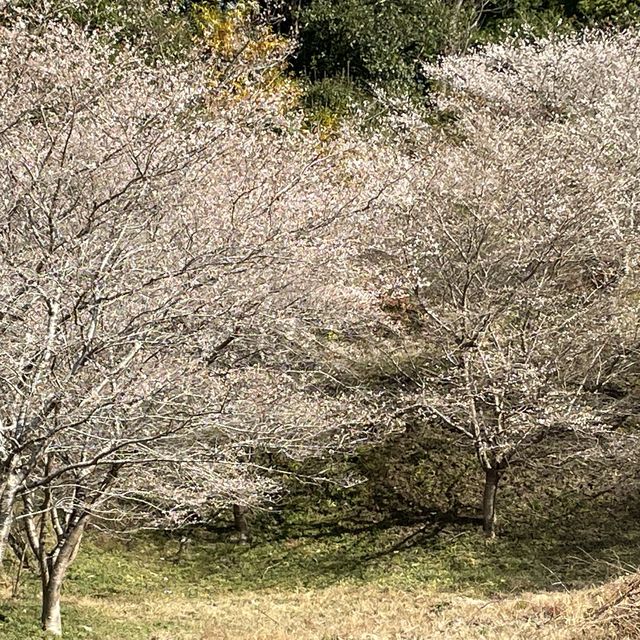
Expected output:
(567, 543)
(573, 543)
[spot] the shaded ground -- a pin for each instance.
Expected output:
(354, 576)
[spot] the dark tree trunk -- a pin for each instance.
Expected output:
(240, 521)
(491, 478)
(182, 547)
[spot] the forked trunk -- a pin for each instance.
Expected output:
(491, 478)
(240, 520)
(53, 577)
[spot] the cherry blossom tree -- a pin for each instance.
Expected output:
(508, 270)
(188, 276)
(156, 241)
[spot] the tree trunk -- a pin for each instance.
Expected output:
(491, 478)
(51, 591)
(7, 503)
(240, 520)
(53, 578)
(16, 582)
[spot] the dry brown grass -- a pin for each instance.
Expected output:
(617, 612)
(377, 613)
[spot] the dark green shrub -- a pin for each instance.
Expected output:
(372, 42)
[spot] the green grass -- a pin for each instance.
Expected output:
(568, 544)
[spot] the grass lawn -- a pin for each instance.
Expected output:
(327, 578)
